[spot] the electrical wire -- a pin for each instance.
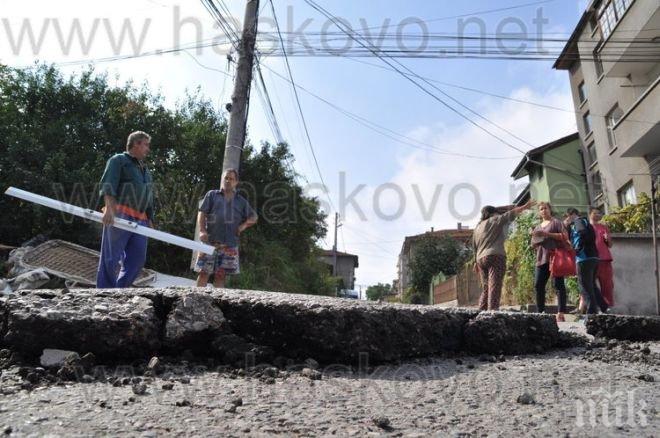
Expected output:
(295, 90)
(386, 60)
(386, 132)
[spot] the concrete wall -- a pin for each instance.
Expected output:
(634, 279)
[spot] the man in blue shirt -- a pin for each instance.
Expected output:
(222, 217)
(583, 240)
(127, 190)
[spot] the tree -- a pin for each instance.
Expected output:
(57, 132)
(378, 291)
(431, 256)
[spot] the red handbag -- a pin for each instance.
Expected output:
(562, 263)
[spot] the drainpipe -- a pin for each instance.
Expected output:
(654, 231)
(586, 179)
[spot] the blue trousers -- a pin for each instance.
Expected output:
(123, 255)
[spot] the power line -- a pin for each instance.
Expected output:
(407, 77)
(220, 19)
(488, 93)
(482, 12)
(271, 118)
(399, 37)
(354, 59)
(382, 130)
(262, 90)
(374, 51)
(295, 90)
(364, 235)
(411, 54)
(268, 106)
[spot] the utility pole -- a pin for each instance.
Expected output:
(334, 247)
(241, 94)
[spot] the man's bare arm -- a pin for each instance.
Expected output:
(110, 208)
(201, 222)
(247, 224)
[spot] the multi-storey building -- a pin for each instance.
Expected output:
(461, 233)
(613, 60)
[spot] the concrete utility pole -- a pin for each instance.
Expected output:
(241, 94)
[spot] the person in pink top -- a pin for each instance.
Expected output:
(605, 274)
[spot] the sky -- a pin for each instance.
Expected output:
(442, 173)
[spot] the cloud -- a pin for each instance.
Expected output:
(461, 186)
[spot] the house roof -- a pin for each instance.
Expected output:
(72, 262)
(463, 235)
(330, 253)
(570, 52)
(523, 197)
(521, 168)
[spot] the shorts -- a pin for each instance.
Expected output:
(223, 261)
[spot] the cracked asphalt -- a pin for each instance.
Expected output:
(608, 390)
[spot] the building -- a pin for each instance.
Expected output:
(613, 60)
(461, 233)
(346, 264)
(556, 175)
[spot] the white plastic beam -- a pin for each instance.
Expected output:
(119, 222)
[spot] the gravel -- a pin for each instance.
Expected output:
(435, 396)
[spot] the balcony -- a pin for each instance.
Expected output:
(621, 55)
(637, 133)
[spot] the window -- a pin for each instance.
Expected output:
(597, 184)
(591, 154)
(586, 119)
(609, 13)
(627, 195)
(620, 7)
(598, 62)
(611, 119)
(582, 93)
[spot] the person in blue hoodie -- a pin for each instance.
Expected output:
(583, 240)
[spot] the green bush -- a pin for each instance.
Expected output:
(634, 218)
(410, 296)
(573, 291)
(521, 263)
(378, 291)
